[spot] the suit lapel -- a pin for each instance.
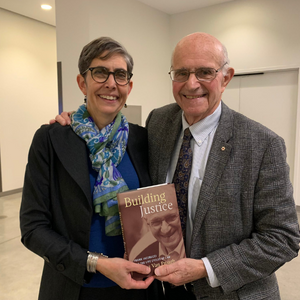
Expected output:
(167, 145)
(216, 163)
(137, 149)
(72, 152)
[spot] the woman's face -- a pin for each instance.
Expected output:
(105, 100)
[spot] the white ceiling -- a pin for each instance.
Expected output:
(32, 8)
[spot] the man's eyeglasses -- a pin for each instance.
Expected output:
(202, 74)
(101, 74)
(171, 220)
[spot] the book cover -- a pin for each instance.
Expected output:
(151, 226)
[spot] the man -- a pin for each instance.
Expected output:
(241, 222)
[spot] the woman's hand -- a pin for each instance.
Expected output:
(119, 270)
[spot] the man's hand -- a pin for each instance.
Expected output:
(182, 271)
(63, 119)
(119, 270)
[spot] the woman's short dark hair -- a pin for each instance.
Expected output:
(96, 48)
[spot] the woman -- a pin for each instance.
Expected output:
(69, 213)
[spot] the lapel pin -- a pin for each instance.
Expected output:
(223, 148)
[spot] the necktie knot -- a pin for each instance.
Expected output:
(187, 135)
(186, 150)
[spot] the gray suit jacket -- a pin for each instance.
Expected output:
(245, 222)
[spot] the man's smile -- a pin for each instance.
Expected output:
(194, 96)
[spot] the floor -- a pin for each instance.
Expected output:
(20, 269)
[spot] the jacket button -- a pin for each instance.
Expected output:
(60, 267)
(46, 259)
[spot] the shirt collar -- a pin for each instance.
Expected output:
(203, 128)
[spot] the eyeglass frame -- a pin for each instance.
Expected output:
(206, 80)
(113, 73)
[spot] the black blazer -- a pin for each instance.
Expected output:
(56, 209)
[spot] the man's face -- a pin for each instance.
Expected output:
(166, 228)
(198, 99)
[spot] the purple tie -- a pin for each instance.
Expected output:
(182, 176)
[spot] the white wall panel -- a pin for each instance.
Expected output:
(28, 90)
(270, 99)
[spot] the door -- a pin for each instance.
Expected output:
(270, 99)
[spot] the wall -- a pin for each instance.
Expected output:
(144, 31)
(259, 35)
(28, 90)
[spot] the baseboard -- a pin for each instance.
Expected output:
(2, 194)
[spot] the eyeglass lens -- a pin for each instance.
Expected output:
(100, 74)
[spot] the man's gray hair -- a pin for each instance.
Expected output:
(225, 60)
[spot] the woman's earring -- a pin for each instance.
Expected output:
(84, 99)
(125, 105)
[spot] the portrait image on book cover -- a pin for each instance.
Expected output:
(151, 227)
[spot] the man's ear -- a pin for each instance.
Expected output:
(227, 78)
(81, 83)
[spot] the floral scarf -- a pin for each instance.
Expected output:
(107, 148)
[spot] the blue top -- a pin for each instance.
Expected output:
(112, 246)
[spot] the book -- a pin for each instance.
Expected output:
(151, 226)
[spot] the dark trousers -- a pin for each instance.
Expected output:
(179, 292)
(111, 293)
(153, 292)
